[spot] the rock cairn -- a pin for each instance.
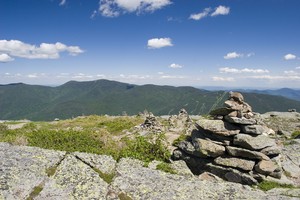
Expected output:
(232, 146)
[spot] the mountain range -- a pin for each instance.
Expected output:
(34, 102)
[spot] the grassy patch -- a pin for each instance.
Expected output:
(51, 171)
(36, 191)
(108, 178)
(166, 167)
(117, 125)
(144, 149)
(295, 134)
(268, 185)
(180, 139)
(123, 196)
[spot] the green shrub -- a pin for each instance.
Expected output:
(181, 138)
(166, 167)
(3, 128)
(64, 140)
(117, 125)
(268, 185)
(143, 149)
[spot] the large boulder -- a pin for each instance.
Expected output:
(207, 148)
(245, 153)
(253, 142)
(239, 163)
(218, 127)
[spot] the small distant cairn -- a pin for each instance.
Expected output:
(151, 124)
(232, 146)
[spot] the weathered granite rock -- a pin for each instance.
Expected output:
(291, 168)
(231, 174)
(239, 163)
(207, 176)
(106, 164)
(218, 127)
(143, 183)
(285, 191)
(23, 168)
(271, 151)
(188, 148)
(242, 107)
(75, 180)
(253, 143)
(266, 167)
(207, 148)
(218, 139)
(255, 129)
(239, 152)
(238, 120)
(236, 96)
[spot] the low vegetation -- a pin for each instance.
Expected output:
(295, 134)
(268, 185)
(166, 167)
(91, 134)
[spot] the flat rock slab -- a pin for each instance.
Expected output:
(218, 127)
(207, 148)
(106, 164)
(239, 163)
(253, 143)
(23, 168)
(245, 153)
(74, 179)
(266, 167)
(139, 182)
(238, 120)
(256, 129)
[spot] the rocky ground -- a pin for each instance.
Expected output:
(30, 172)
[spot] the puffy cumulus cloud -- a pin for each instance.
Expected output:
(113, 8)
(221, 10)
(200, 15)
(245, 70)
(223, 79)
(171, 77)
(156, 43)
(16, 48)
(292, 72)
(297, 67)
(175, 66)
(5, 58)
(233, 55)
(289, 57)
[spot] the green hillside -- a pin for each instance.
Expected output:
(20, 101)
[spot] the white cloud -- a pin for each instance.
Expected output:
(223, 79)
(233, 55)
(250, 54)
(245, 70)
(156, 43)
(221, 10)
(113, 8)
(172, 77)
(5, 58)
(16, 48)
(93, 15)
(290, 57)
(32, 75)
(201, 15)
(62, 2)
(175, 66)
(292, 72)
(283, 78)
(297, 67)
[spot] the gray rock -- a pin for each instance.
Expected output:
(292, 151)
(236, 96)
(266, 167)
(253, 143)
(291, 169)
(218, 139)
(239, 152)
(242, 107)
(218, 127)
(23, 168)
(285, 191)
(207, 176)
(239, 163)
(255, 129)
(271, 151)
(143, 183)
(237, 120)
(206, 148)
(231, 175)
(106, 164)
(180, 167)
(74, 180)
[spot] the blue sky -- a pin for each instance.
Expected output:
(233, 43)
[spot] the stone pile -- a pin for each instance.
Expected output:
(232, 146)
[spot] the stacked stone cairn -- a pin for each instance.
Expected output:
(232, 146)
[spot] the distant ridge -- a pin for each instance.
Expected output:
(34, 102)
